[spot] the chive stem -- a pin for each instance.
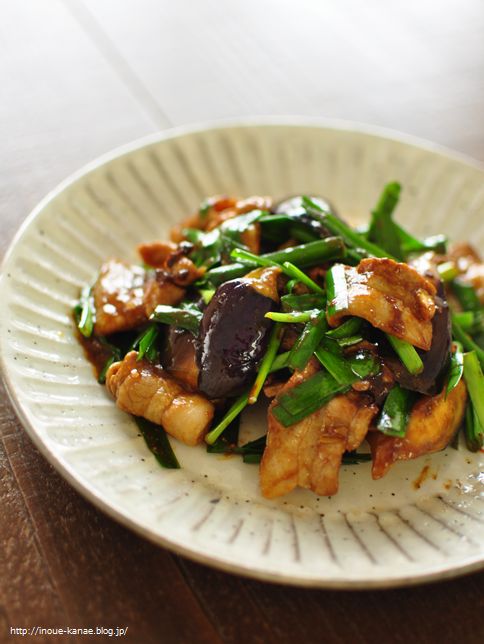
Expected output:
(158, 443)
(473, 430)
(331, 357)
(236, 408)
(383, 230)
(280, 362)
(407, 354)
(289, 269)
(395, 413)
(475, 383)
(300, 276)
(466, 340)
(267, 360)
(467, 320)
(87, 316)
(188, 318)
(304, 302)
(246, 257)
(350, 327)
(303, 255)
(308, 341)
(447, 271)
(294, 317)
(102, 374)
(306, 398)
(338, 227)
(207, 294)
(456, 368)
(466, 294)
(146, 342)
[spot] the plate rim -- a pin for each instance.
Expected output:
(469, 564)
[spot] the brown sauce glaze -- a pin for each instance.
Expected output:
(95, 352)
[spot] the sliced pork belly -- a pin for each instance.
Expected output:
(470, 265)
(308, 454)
(171, 258)
(220, 208)
(125, 295)
(392, 296)
(432, 424)
(146, 390)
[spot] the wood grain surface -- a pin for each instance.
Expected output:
(78, 78)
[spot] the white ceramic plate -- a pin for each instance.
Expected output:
(373, 533)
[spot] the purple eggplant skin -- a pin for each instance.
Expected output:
(436, 360)
(233, 338)
(293, 206)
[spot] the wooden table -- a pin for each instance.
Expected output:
(80, 77)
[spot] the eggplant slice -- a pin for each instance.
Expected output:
(293, 207)
(432, 424)
(234, 333)
(436, 360)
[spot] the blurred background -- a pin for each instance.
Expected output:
(82, 76)
(79, 77)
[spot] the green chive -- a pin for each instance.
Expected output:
(116, 354)
(346, 369)
(302, 256)
(354, 458)
(266, 364)
(395, 413)
(306, 398)
(251, 452)
(338, 296)
(296, 273)
(350, 327)
(146, 343)
(473, 429)
(232, 413)
(306, 302)
(475, 383)
(280, 362)
(291, 318)
(187, 318)
(466, 295)
(308, 341)
(247, 257)
(364, 364)
(287, 267)
(447, 271)
(410, 244)
(350, 340)
(383, 230)
(207, 294)
(227, 442)
(204, 208)
(332, 358)
(252, 459)
(158, 443)
(102, 374)
(338, 227)
(279, 227)
(467, 320)
(456, 369)
(407, 354)
(466, 340)
(87, 316)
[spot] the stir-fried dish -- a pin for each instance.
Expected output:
(367, 343)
